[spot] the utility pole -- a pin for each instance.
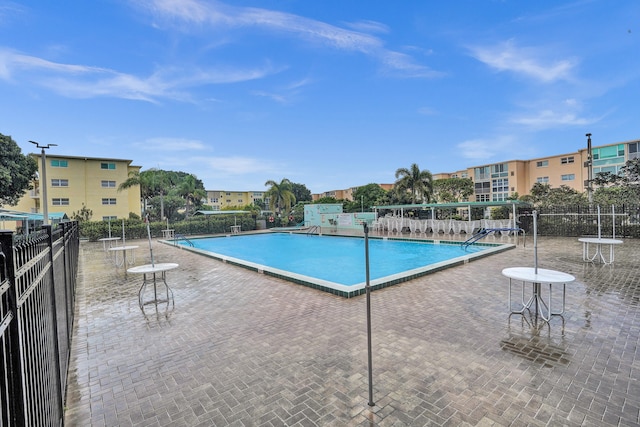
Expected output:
(43, 182)
(589, 164)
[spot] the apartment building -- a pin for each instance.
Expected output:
(498, 181)
(344, 194)
(74, 182)
(220, 199)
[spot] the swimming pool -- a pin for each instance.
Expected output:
(337, 264)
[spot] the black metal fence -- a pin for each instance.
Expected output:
(37, 293)
(606, 221)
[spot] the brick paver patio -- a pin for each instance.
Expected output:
(245, 349)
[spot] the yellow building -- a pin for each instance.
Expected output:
(74, 182)
(345, 194)
(220, 199)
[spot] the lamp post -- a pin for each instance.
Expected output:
(589, 170)
(45, 201)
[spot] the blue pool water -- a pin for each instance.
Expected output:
(339, 260)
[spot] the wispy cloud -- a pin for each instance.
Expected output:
(186, 13)
(484, 149)
(527, 61)
(368, 26)
(237, 165)
(80, 81)
(172, 144)
(546, 119)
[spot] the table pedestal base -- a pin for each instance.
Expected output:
(153, 279)
(535, 301)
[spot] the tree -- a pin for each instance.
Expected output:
(327, 200)
(192, 190)
(84, 214)
(619, 189)
(418, 182)
(301, 192)
(17, 171)
(364, 197)
(544, 196)
(452, 190)
(280, 195)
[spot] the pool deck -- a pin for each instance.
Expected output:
(244, 349)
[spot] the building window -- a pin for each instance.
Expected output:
(542, 179)
(108, 184)
(481, 173)
(542, 163)
(60, 202)
(109, 218)
(633, 150)
(500, 185)
(59, 182)
(608, 155)
(500, 170)
(108, 166)
(568, 177)
(55, 163)
(482, 188)
(228, 201)
(108, 201)
(499, 197)
(482, 198)
(239, 200)
(567, 160)
(214, 200)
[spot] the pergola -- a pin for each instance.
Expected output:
(457, 205)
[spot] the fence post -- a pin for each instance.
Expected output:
(15, 414)
(56, 345)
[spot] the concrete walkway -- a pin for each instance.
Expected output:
(245, 349)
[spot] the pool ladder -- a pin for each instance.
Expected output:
(313, 229)
(182, 237)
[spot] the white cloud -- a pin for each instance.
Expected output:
(237, 165)
(172, 144)
(79, 81)
(488, 148)
(217, 15)
(527, 61)
(368, 26)
(548, 119)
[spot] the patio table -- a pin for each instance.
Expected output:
(537, 278)
(123, 249)
(108, 240)
(599, 242)
(154, 274)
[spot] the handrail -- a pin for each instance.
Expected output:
(485, 232)
(182, 237)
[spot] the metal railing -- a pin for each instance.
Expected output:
(182, 237)
(570, 221)
(37, 293)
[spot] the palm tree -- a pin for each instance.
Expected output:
(143, 181)
(280, 195)
(190, 191)
(419, 182)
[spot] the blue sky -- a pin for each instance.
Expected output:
(330, 94)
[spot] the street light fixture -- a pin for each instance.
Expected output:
(589, 170)
(43, 181)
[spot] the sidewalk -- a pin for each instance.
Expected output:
(245, 349)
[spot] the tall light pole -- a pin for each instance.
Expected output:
(43, 182)
(589, 170)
